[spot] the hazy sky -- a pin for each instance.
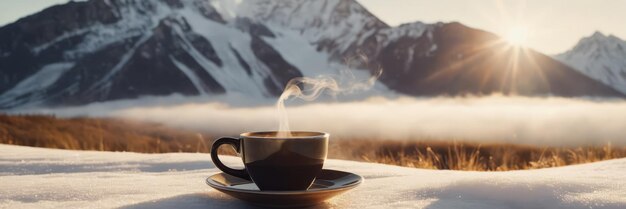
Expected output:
(550, 26)
(11, 10)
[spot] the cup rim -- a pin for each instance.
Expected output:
(309, 135)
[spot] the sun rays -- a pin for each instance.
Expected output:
(502, 67)
(516, 33)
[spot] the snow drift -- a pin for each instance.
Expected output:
(46, 178)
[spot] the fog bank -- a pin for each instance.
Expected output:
(522, 120)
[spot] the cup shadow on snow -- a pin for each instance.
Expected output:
(209, 200)
(47, 168)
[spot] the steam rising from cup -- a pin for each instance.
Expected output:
(309, 89)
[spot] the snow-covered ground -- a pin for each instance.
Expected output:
(48, 178)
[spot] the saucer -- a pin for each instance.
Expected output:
(327, 184)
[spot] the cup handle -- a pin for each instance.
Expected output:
(241, 173)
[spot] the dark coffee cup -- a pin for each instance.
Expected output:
(277, 163)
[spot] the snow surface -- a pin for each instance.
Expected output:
(600, 57)
(48, 178)
(343, 22)
(223, 38)
(313, 63)
(410, 30)
(37, 82)
(195, 80)
(41, 79)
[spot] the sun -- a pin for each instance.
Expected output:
(517, 35)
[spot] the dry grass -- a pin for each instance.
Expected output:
(469, 156)
(123, 135)
(106, 134)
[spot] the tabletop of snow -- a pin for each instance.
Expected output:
(48, 178)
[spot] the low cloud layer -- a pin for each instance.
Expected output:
(540, 121)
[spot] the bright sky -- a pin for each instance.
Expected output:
(11, 10)
(550, 26)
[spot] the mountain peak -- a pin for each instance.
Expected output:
(600, 57)
(334, 24)
(598, 34)
(598, 42)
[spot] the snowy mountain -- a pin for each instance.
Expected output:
(101, 50)
(600, 57)
(138, 48)
(48, 178)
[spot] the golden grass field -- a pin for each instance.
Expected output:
(109, 134)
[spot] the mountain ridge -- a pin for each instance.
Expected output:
(126, 49)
